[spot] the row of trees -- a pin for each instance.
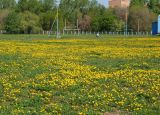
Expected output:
(142, 13)
(33, 16)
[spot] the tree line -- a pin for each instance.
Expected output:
(34, 16)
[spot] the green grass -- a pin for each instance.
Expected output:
(79, 75)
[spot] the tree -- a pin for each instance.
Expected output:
(29, 23)
(141, 14)
(73, 9)
(121, 13)
(84, 23)
(100, 10)
(48, 5)
(40, 14)
(47, 19)
(154, 5)
(95, 24)
(12, 23)
(6, 4)
(3, 14)
(33, 6)
(140, 18)
(107, 22)
(138, 2)
(22, 5)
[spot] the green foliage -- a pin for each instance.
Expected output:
(141, 18)
(95, 24)
(154, 5)
(142, 14)
(34, 6)
(12, 23)
(22, 5)
(1, 88)
(74, 9)
(89, 13)
(25, 22)
(7, 4)
(29, 5)
(3, 14)
(46, 19)
(138, 2)
(29, 23)
(47, 5)
(107, 22)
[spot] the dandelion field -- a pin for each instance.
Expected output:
(79, 76)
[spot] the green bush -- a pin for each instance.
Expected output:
(29, 23)
(12, 23)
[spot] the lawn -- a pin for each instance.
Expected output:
(85, 75)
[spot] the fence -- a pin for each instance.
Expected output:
(2, 31)
(109, 33)
(77, 33)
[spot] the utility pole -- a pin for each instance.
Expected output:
(126, 21)
(65, 24)
(77, 23)
(138, 26)
(58, 33)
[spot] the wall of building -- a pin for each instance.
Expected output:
(119, 3)
(125, 3)
(114, 3)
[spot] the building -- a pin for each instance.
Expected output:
(119, 3)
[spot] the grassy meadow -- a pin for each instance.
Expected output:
(85, 75)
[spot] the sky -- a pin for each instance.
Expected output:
(104, 2)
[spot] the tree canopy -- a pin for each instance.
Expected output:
(38, 15)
